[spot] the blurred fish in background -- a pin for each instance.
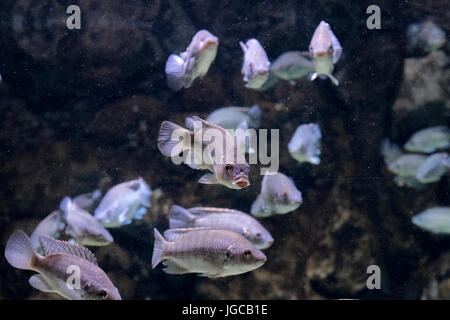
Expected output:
(305, 144)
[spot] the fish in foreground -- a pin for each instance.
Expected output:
(59, 265)
(407, 165)
(433, 168)
(279, 195)
(221, 218)
(429, 140)
(51, 226)
(206, 146)
(82, 226)
(426, 36)
(210, 252)
(233, 117)
(325, 50)
(88, 201)
(435, 220)
(123, 203)
(256, 64)
(304, 145)
(182, 70)
(292, 65)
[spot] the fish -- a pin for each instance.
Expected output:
(390, 151)
(88, 201)
(52, 226)
(409, 181)
(256, 66)
(58, 268)
(433, 168)
(435, 220)
(279, 195)
(181, 70)
(232, 117)
(304, 145)
(429, 140)
(222, 156)
(426, 36)
(211, 253)
(123, 203)
(221, 218)
(325, 51)
(82, 226)
(292, 65)
(407, 164)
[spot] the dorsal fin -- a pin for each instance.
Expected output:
(203, 211)
(53, 246)
(172, 234)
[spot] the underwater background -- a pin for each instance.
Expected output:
(81, 110)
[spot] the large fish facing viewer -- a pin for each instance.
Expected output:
(182, 70)
(206, 146)
(60, 261)
(123, 203)
(325, 50)
(256, 64)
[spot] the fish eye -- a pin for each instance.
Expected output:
(228, 168)
(258, 235)
(228, 254)
(247, 253)
(102, 294)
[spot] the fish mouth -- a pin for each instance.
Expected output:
(262, 72)
(210, 43)
(242, 182)
(320, 53)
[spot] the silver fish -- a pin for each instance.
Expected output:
(182, 70)
(409, 181)
(279, 195)
(292, 65)
(304, 145)
(429, 140)
(56, 270)
(433, 168)
(256, 64)
(211, 252)
(82, 226)
(390, 151)
(51, 226)
(223, 158)
(221, 218)
(435, 220)
(426, 36)
(232, 117)
(123, 203)
(325, 50)
(88, 201)
(407, 165)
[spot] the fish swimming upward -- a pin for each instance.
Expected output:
(61, 264)
(82, 226)
(221, 218)
(123, 203)
(325, 50)
(279, 195)
(182, 70)
(206, 146)
(304, 145)
(256, 64)
(212, 253)
(52, 226)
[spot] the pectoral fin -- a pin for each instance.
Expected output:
(208, 178)
(38, 282)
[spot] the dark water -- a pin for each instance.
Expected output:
(81, 109)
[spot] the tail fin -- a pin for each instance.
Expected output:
(19, 251)
(165, 143)
(175, 70)
(333, 79)
(179, 217)
(158, 250)
(65, 206)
